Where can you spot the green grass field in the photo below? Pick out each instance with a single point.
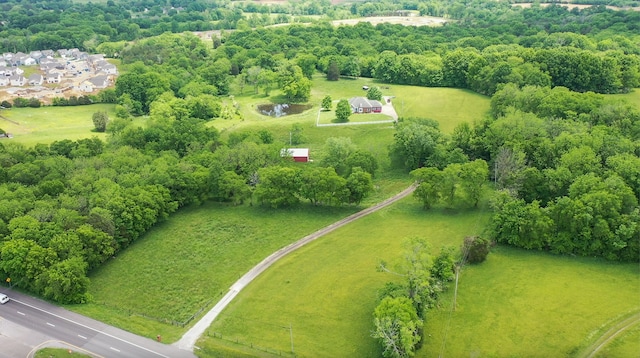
(327, 290)
(449, 106)
(514, 304)
(191, 260)
(519, 302)
(30, 126)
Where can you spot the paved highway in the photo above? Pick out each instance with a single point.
(26, 322)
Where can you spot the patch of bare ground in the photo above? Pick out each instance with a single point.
(577, 6)
(402, 20)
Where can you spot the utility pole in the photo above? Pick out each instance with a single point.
(291, 335)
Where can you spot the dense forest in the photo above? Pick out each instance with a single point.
(564, 157)
(46, 24)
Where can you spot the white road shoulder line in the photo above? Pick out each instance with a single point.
(91, 328)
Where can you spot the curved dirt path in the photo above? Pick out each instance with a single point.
(188, 340)
(609, 335)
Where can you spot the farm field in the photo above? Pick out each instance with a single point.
(516, 302)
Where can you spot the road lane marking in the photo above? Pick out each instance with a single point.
(51, 324)
(91, 328)
(115, 349)
(83, 337)
(20, 313)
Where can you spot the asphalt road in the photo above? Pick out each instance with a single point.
(27, 323)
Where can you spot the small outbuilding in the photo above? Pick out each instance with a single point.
(298, 154)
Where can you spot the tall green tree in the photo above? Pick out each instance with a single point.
(100, 120)
(333, 71)
(359, 184)
(327, 103)
(473, 176)
(343, 111)
(374, 93)
(397, 327)
(429, 188)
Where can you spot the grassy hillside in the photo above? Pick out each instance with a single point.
(189, 261)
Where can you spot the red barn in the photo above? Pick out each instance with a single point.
(298, 154)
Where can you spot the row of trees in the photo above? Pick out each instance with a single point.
(286, 186)
(436, 185)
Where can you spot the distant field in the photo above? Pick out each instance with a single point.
(47, 124)
(633, 97)
(449, 106)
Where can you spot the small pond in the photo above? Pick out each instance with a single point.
(279, 110)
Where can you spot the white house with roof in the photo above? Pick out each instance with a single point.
(29, 61)
(53, 77)
(106, 67)
(100, 82)
(86, 86)
(17, 80)
(36, 79)
(6, 71)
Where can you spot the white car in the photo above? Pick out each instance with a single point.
(3, 298)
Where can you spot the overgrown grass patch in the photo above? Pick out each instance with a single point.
(328, 289)
(30, 126)
(190, 261)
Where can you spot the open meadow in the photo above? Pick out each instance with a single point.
(328, 289)
(30, 126)
(516, 303)
(190, 261)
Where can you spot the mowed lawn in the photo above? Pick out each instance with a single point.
(449, 106)
(517, 304)
(327, 290)
(30, 126)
